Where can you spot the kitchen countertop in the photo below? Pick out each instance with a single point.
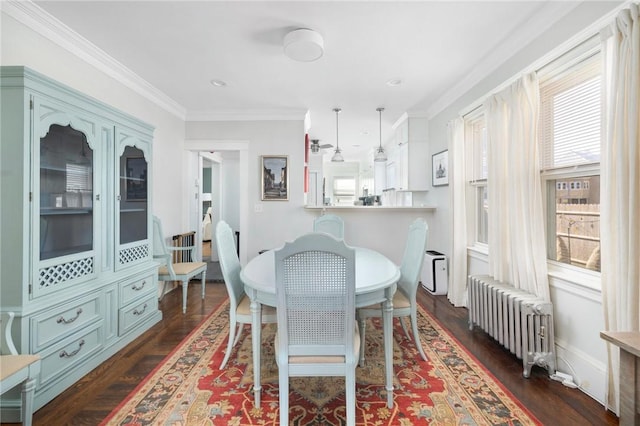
(376, 208)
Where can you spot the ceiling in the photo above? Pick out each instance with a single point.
(433, 47)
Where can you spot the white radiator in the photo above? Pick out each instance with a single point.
(520, 321)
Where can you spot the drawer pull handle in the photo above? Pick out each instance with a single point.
(61, 320)
(134, 288)
(64, 354)
(137, 312)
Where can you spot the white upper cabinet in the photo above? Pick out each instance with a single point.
(411, 154)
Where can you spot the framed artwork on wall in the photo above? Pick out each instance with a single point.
(440, 168)
(275, 177)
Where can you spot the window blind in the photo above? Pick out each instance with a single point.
(344, 186)
(79, 178)
(570, 115)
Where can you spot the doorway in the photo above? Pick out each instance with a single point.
(211, 201)
(229, 169)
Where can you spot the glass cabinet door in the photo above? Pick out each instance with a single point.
(133, 196)
(132, 234)
(66, 193)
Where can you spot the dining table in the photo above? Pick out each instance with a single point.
(376, 282)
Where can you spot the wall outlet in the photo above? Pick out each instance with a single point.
(257, 208)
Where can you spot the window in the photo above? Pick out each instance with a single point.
(344, 189)
(476, 134)
(570, 126)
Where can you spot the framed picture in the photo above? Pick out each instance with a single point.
(440, 168)
(136, 179)
(275, 177)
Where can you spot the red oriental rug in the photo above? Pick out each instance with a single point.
(451, 388)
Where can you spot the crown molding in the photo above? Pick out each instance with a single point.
(409, 114)
(40, 21)
(248, 115)
(507, 48)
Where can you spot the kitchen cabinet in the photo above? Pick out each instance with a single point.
(412, 152)
(77, 265)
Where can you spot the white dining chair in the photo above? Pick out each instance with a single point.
(16, 369)
(239, 303)
(317, 332)
(180, 271)
(331, 224)
(404, 299)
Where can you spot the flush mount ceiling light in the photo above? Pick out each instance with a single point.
(337, 156)
(303, 45)
(394, 82)
(380, 154)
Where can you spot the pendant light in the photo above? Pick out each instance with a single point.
(380, 155)
(337, 156)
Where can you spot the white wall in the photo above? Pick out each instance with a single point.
(577, 300)
(231, 190)
(22, 46)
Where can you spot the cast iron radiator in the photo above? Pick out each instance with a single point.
(518, 320)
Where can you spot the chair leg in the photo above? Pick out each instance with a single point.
(404, 327)
(416, 336)
(362, 323)
(28, 390)
(185, 287)
(204, 276)
(232, 338)
(238, 332)
(350, 400)
(283, 385)
(164, 290)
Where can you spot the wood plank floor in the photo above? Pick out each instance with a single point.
(91, 399)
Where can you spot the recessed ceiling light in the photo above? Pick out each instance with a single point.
(218, 83)
(394, 82)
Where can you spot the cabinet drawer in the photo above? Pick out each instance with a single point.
(65, 356)
(64, 320)
(131, 290)
(132, 315)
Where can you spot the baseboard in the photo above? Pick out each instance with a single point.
(588, 372)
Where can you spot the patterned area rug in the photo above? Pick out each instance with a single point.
(188, 388)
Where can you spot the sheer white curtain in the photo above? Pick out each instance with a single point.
(620, 196)
(517, 247)
(457, 292)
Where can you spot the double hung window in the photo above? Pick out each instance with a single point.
(477, 170)
(569, 135)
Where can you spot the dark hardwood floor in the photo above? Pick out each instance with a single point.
(91, 399)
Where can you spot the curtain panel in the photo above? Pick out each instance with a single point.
(620, 189)
(457, 293)
(517, 246)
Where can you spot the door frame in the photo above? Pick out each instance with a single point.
(242, 147)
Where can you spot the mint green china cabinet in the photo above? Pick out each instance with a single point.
(75, 207)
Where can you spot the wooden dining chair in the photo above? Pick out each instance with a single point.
(239, 303)
(181, 271)
(17, 369)
(317, 333)
(404, 299)
(331, 224)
